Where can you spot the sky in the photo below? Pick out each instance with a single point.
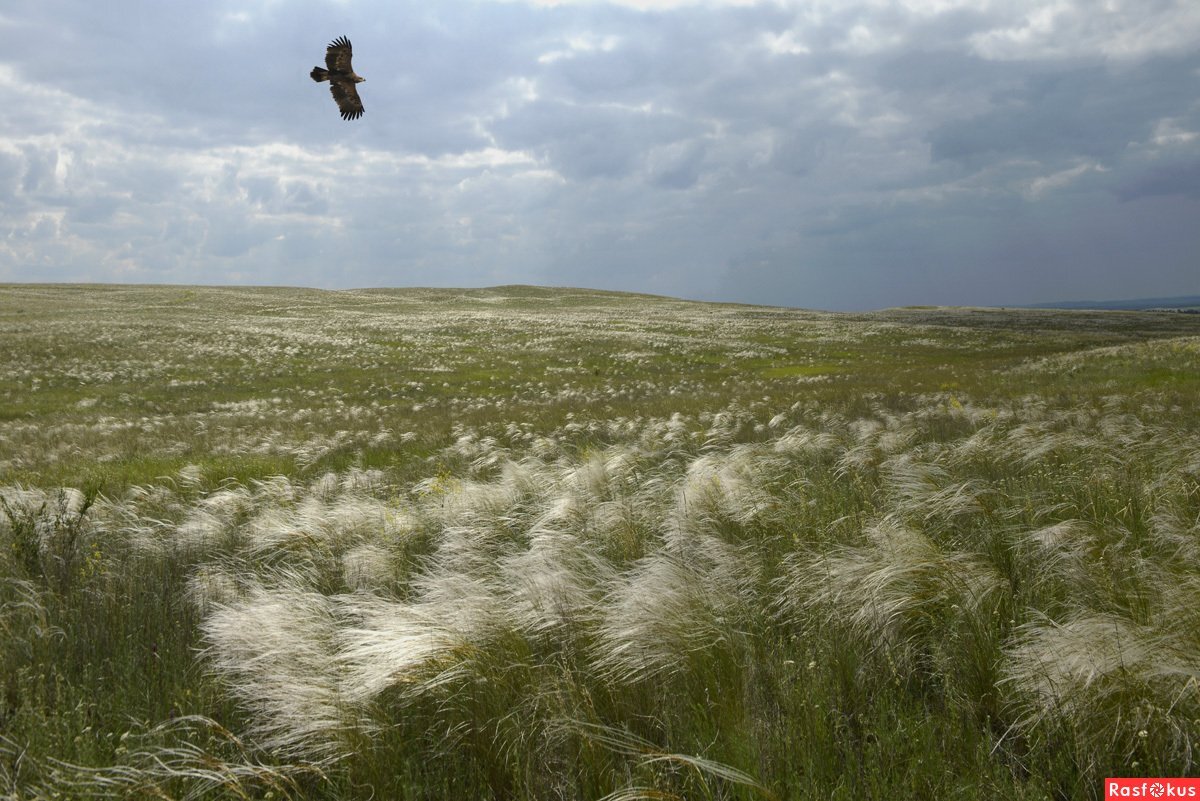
(839, 155)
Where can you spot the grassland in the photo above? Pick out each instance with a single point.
(540, 543)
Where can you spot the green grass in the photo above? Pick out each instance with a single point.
(524, 542)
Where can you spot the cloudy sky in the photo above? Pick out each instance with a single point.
(836, 154)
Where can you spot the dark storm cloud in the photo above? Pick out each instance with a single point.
(1181, 178)
(843, 155)
(590, 141)
(1094, 111)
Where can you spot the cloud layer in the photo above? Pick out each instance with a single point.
(826, 154)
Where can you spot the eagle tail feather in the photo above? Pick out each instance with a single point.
(319, 74)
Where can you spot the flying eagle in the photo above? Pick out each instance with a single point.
(341, 78)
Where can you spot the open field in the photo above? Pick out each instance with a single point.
(541, 543)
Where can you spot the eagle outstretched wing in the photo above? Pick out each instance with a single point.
(338, 56)
(346, 97)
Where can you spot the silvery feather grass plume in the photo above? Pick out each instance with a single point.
(979, 447)
(190, 475)
(207, 524)
(862, 454)
(466, 503)
(898, 436)
(649, 755)
(567, 509)
(48, 526)
(153, 770)
(275, 490)
(577, 488)
(278, 531)
(325, 487)
(892, 591)
(1029, 444)
(553, 584)
(154, 495)
(351, 517)
(334, 514)
(227, 502)
(674, 434)
(40, 504)
(925, 491)
(1177, 536)
(596, 478)
(472, 551)
(314, 534)
(275, 648)
(803, 441)
(489, 454)
(463, 603)
(725, 485)
(1124, 432)
(212, 586)
(624, 467)
(458, 582)
(1113, 681)
(357, 480)
(1176, 459)
(671, 604)
(545, 448)
(722, 431)
(1062, 549)
(964, 409)
(606, 499)
(23, 613)
(367, 566)
(199, 532)
(135, 516)
(392, 644)
(315, 448)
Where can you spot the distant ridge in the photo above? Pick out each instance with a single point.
(1179, 302)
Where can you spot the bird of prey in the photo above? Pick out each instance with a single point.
(341, 78)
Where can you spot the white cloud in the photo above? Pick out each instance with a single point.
(1116, 29)
(785, 43)
(576, 45)
(1170, 132)
(1060, 179)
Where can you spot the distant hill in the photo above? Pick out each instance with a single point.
(1188, 302)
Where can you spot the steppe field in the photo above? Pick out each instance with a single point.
(524, 543)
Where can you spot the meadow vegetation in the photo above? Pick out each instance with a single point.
(562, 544)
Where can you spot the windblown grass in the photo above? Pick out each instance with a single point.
(330, 545)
